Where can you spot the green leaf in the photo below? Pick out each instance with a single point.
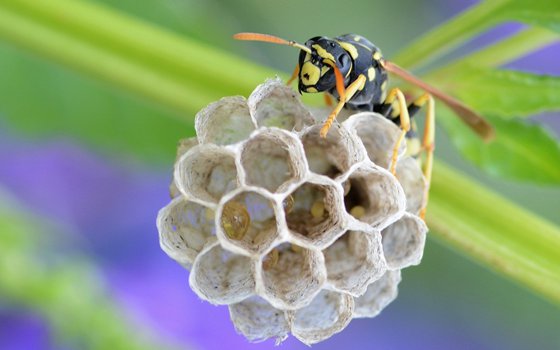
(504, 93)
(65, 289)
(520, 151)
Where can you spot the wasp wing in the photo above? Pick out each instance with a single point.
(474, 120)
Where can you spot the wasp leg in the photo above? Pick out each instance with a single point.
(345, 96)
(328, 99)
(396, 95)
(294, 75)
(428, 143)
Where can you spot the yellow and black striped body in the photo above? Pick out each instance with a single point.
(355, 56)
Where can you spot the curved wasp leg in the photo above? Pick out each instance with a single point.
(396, 95)
(345, 95)
(294, 75)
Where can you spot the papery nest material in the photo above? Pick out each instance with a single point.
(295, 233)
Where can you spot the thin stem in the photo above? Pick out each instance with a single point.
(516, 46)
(450, 34)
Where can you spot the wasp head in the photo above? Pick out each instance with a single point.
(316, 73)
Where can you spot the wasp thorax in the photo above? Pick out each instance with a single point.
(294, 232)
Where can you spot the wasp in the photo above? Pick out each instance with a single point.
(352, 70)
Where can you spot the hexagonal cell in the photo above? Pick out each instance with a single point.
(403, 242)
(182, 147)
(272, 158)
(222, 277)
(274, 104)
(294, 279)
(412, 179)
(206, 172)
(329, 313)
(247, 222)
(374, 196)
(316, 215)
(184, 228)
(333, 154)
(224, 122)
(257, 320)
(378, 295)
(378, 134)
(354, 261)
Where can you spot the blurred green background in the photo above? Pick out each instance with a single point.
(88, 166)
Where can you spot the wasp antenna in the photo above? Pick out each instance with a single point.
(270, 39)
(474, 120)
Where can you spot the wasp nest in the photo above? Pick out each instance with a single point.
(295, 233)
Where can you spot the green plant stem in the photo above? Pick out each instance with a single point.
(481, 224)
(450, 34)
(494, 231)
(125, 52)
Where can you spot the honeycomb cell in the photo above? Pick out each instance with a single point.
(374, 196)
(378, 295)
(412, 179)
(269, 108)
(224, 122)
(295, 278)
(257, 320)
(182, 147)
(222, 277)
(355, 260)
(378, 134)
(328, 313)
(184, 228)
(331, 155)
(206, 172)
(316, 216)
(252, 236)
(403, 242)
(272, 158)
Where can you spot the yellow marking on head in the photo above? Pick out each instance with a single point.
(324, 69)
(322, 52)
(311, 89)
(371, 73)
(350, 48)
(309, 73)
(377, 55)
